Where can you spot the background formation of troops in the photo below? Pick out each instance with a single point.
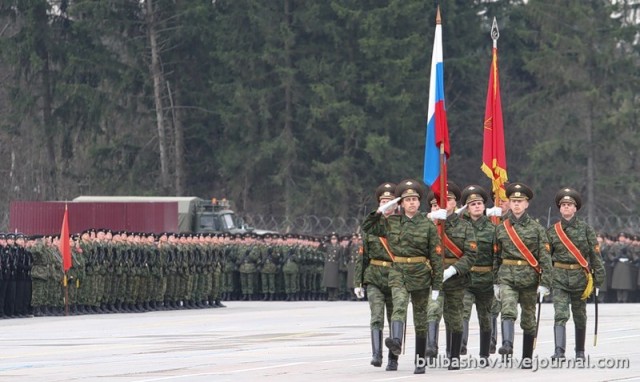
(138, 272)
(135, 272)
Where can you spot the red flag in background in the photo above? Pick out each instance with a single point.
(494, 159)
(65, 247)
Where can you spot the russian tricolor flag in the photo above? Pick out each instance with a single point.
(435, 173)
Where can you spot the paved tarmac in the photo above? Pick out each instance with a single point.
(278, 341)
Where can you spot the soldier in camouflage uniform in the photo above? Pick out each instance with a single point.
(290, 268)
(417, 263)
(522, 270)
(372, 272)
(460, 253)
(247, 263)
(573, 262)
(268, 268)
(480, 291)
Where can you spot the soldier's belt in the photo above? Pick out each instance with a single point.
(567, 266)
(514, 262)
(481, 269)
(449, 260)
(382, 263)
(411, 260)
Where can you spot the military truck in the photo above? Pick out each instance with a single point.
(194, 214)
(129, 213)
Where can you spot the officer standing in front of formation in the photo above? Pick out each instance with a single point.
(372, 274)
(522, 270)
(577, 269)
(480, 291)
(412, 241)
(460, 253)
(330, 276)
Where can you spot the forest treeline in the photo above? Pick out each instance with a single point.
(296, 107)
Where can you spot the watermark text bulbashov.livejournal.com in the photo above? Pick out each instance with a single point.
(535, 363)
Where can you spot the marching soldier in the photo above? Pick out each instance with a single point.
(460, 253)
(372, 272)
(412, 241)
(522, 269)
(577, 268)
(480, 291)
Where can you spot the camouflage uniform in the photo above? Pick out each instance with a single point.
(450, 302)
(417, 266)
(517, 280)
(569, 278)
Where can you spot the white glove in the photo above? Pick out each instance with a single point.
(623, 260)
(459, 210)
(496, 291)
(542, 291)
(448, 273)
(435, 294)
(597, 291)
(359, 292)
(388, 205)
(494, 211)
(440, 214)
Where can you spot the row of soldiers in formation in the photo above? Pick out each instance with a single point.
(137, 272)
(452, 257)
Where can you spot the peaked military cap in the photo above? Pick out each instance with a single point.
(519, 191)
(410, 187)
(453, 190)
(474, 193)
(569, 195)
(386, 191)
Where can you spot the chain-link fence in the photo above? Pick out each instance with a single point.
(322, 225)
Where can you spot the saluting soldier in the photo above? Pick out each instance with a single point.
(372, 272)
(522, 268)
(460, 253)
(412, 241)
(577, 269)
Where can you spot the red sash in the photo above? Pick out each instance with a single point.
(385, 244)
(570, 246)
(522, 248)
(452, 247)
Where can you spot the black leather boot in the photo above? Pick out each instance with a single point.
(394, 343)
(507, 338)
(465, 337)
(432, 339)
(485, 344)
(580, 338)
(448, 342)
(420, 360)
(560, 339)
(527, 351)
(392, 362)
(456, 344)
(376, 347)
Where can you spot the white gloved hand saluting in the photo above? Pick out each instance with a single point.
(388, 205)
(435, 294)
(461, 209)
(494, 211)
(448, 273)
(440, 214)
(542, 291)
(496, 291)
(359, 292)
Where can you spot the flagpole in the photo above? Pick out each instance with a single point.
(66, 294)
(495, 35)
